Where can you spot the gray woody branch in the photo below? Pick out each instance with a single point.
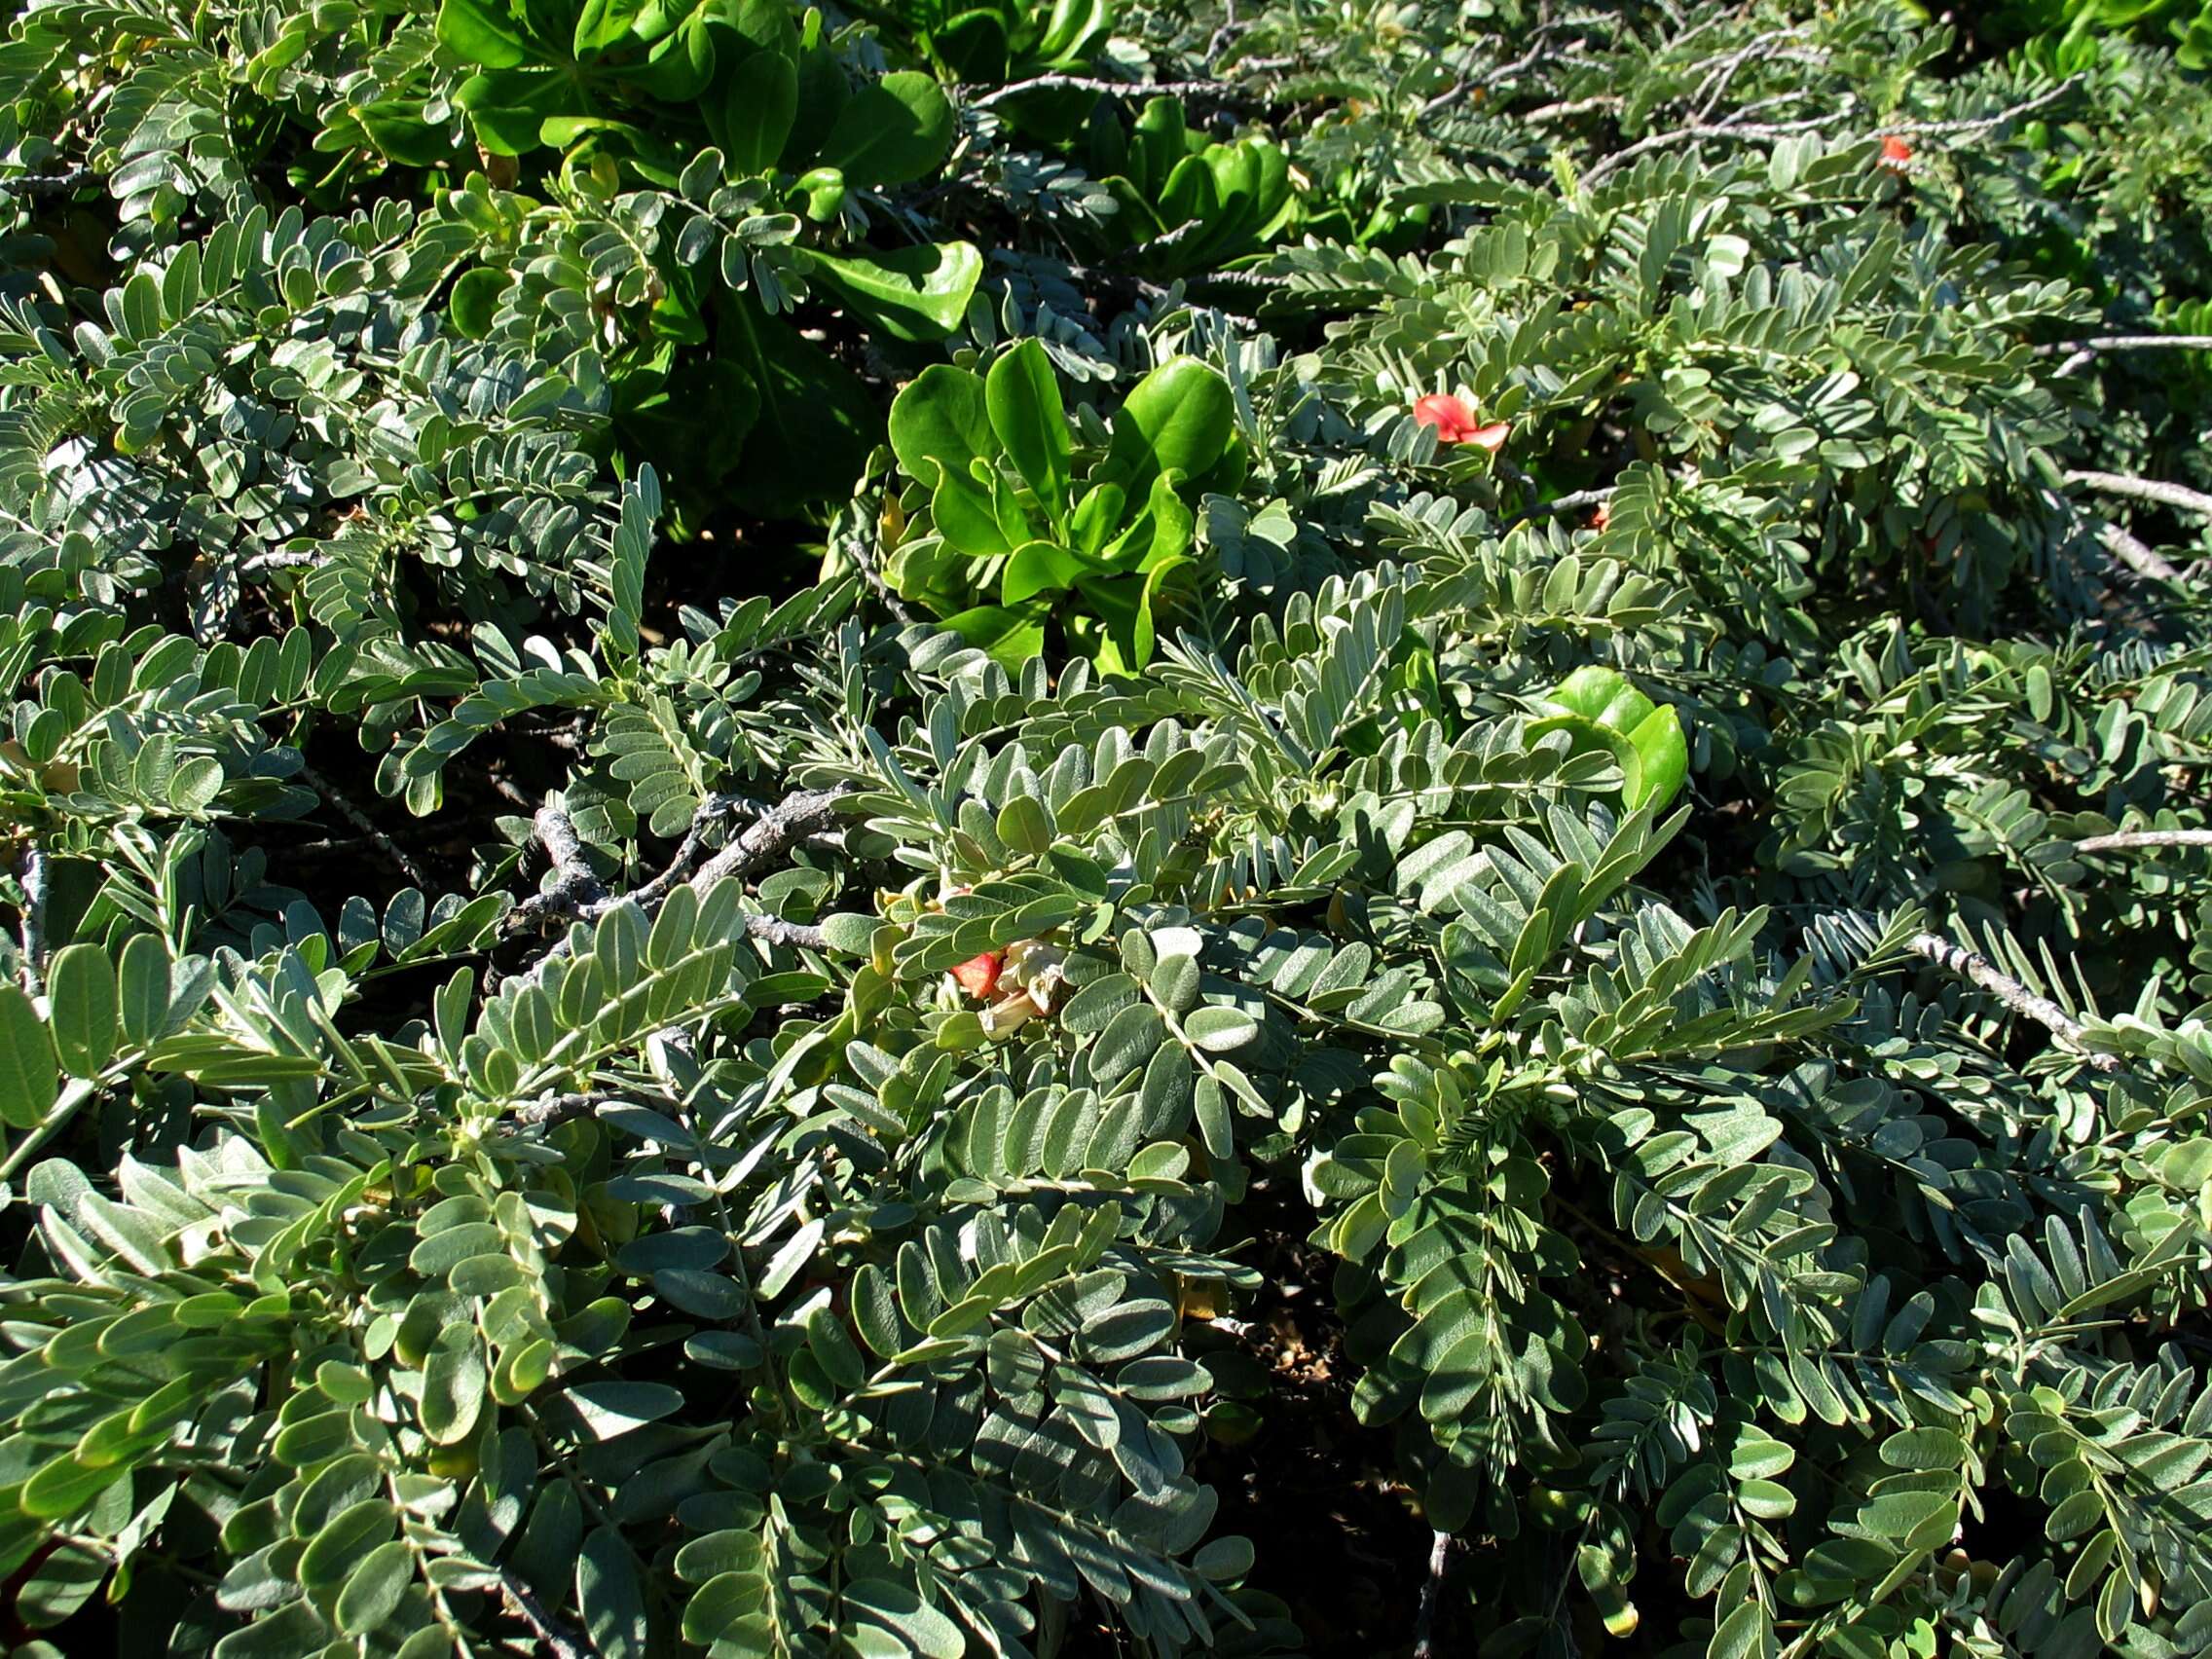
(1979, 970)
(575, 888)
(2176, 495)
(2128, 839)
(2079, 351)
(779, 830)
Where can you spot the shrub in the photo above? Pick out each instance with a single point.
(972, 830)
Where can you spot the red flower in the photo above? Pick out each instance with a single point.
(1896, 154)
(978, 975)
(1601, 518)
(1455, 421)
(1449, 415)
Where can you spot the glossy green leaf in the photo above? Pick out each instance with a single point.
(893, 132)
(483, 33)
(1030, 422)
(919, 292)
(1180, 418)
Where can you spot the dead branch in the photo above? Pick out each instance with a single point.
(2179, 497)
(777, 832)
(2128, 839)
(1575, 501)
(37, 882)
(559, 1641)
(710, 811)
(575, 888)
(776, 931)
(360, 821)
(1220, 91)
(1441, 1547)
(1983, 123)
(2137, 555)
(2079, 351)
(1976, 968)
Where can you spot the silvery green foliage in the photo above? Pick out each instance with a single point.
(790, 1188)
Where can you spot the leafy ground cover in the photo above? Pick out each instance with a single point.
(953, 829)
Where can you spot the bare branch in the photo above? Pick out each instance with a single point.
(2137, 555)
(2128, 839)
(1736, 128)
(1983, 124)
(2079, 351)
(48, 184)
(360, 821)
(776, 931)
(1441, 1547)
(1730, 129)
(711, 809)
(1722, 70)
(1976, 968)
(559, 1641)
(779, 830)
(1220, 90)
(1575, 501)
(38, 881)
(2176, 495)
(863, 560)
(774, 833)
(1572, 107)
(558, 1108)
(575, 889)
(283, 559)
(557, 834)
(1499, 74)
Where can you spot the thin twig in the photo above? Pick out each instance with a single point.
(1983, 123)
(1722, 70)
(2176, 495)
(559, 1641)
(559, 1107)
(2079, 351)
(1441, 1546)
(1973, 966)
(1497, 74)
(48, 184)
(283, 559)
(360, 821)
(711, 811)
(1572, 107)
(1229, 30)
(1748, 130)
(2130, 838)
(1220, 89)
(1567, 503)
(1735, 128)
(863, 560)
